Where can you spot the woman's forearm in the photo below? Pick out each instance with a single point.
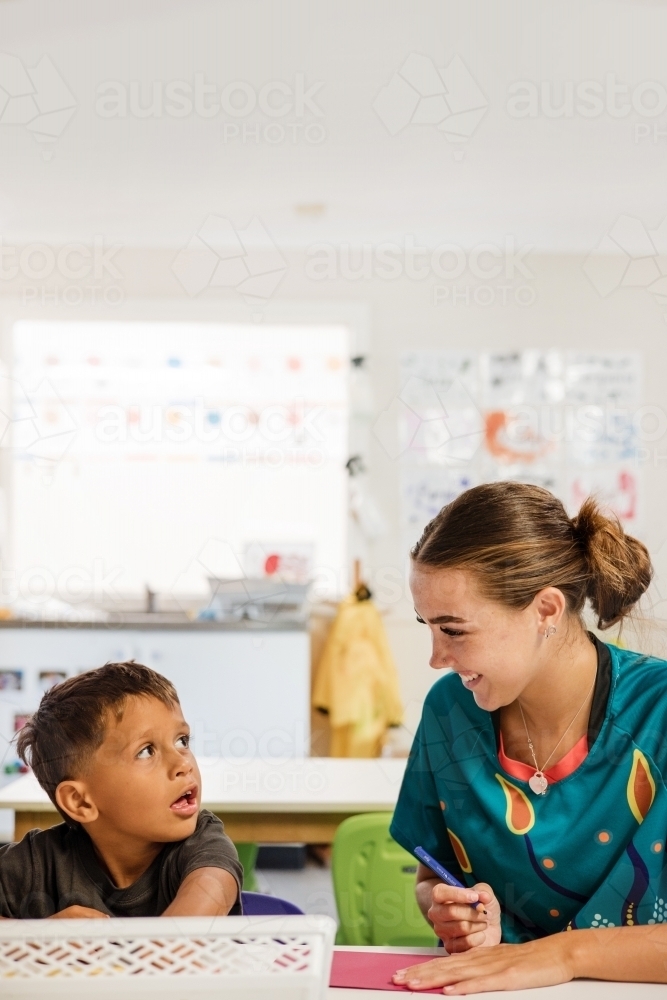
(627, 954)
(624, 954)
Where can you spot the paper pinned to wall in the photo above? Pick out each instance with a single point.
(425, 491)
(514, 436)
(439, 424)
(603, 436)
(513, 377)
(604, 379)
(568, 421)
(441, 368)
(615, 488)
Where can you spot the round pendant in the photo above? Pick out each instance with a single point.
(538, 783)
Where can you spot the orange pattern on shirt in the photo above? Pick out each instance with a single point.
(520, 815)
(641, 786)
(460, 852)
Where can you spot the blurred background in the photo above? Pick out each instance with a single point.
(278, 280)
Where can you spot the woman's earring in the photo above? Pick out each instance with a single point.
(550, 631)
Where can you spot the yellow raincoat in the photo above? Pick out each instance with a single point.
(356, 681)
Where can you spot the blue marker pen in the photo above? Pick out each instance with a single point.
(442, 873)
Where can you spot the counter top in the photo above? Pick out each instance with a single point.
(163, 621)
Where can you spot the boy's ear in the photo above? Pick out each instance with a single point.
(74, 800)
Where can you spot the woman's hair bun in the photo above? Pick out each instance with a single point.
(619, 566)
(517, 539)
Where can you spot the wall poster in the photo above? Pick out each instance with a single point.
(566, 420)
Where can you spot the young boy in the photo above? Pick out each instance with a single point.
(111, 749)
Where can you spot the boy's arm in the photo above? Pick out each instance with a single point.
(205, 892)
(202, 874)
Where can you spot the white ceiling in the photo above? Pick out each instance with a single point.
(557, 183)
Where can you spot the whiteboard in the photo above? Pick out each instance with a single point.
(136, 447)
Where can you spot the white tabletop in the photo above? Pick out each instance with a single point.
(304, 785)
(580, 989)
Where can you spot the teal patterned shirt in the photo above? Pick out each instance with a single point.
(589, 853)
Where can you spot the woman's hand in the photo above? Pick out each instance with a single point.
(459, 925)
(79, 913)
(504, 967)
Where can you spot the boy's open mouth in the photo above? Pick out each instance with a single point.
(186, 804)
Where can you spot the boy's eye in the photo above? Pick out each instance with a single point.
(146, 752)
(183, 741)
(420, 620)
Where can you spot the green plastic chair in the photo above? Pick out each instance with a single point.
(248, 857)
(374, 885)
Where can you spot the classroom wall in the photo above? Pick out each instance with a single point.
(553, 306)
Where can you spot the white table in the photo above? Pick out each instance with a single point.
(272, 800)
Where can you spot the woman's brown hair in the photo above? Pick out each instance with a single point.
(517, 539)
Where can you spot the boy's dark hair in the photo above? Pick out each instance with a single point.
(70, 723)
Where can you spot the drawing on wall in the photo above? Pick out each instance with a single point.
(48, 679)
(439, 422)
(514, 377)
(425, 491)
(613, 379)
(509, 440)
(442, 368)
(605, 436)
(564, 420)
(11, 680)
(616, 488)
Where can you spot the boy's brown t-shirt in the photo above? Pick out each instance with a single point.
(50, 870)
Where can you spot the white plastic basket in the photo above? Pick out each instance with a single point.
(235, 958)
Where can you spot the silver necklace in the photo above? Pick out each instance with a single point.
(538, 782)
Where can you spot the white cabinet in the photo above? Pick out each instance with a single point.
(244, 692)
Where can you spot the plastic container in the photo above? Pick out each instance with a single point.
(238, 958)
(261, 599)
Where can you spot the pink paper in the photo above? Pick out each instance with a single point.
(372, 970)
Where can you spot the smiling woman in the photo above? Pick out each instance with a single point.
(539, 738)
